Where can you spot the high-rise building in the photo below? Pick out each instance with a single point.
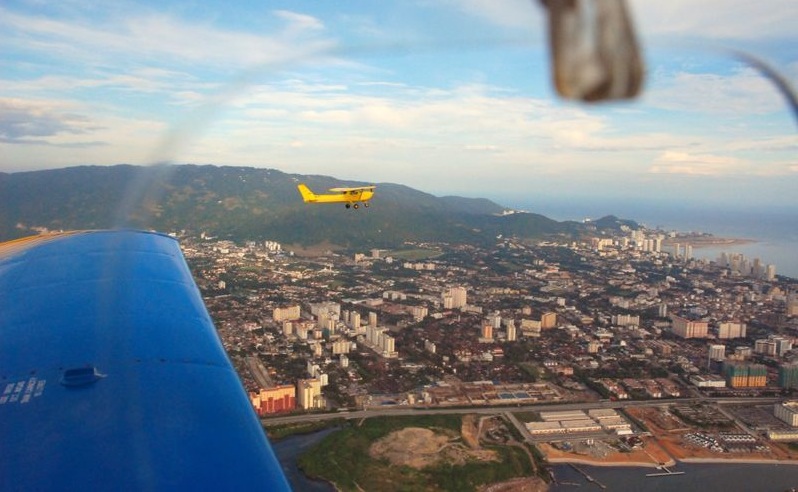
(685, 328)
(730, 329)
(354, 320)
(765, 347)
(420, 312)
(788, 375)
(792, 304)
(487, 332)
(341, 347)
(548, 320)
(329, 308)
(625, 320)
(286, 313)
(717, 352)
(783, 345)
(274, 400)
(787, 412)
(511, 331)
(457, 297)
(770, 272)
(372, 318)
(744, 375)
(309, 394)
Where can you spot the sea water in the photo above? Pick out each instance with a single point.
(774, 231)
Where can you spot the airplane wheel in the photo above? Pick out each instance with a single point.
(356, 206)
(366, 204)
(348, 205)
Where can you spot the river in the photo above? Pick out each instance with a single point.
(289, 450)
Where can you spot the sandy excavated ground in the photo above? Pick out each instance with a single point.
(670, 432)
(652, 454)
(418, 448)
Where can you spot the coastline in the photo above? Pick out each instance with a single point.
(672, 462)
(609, 464)
(701, 241)
(732, 461)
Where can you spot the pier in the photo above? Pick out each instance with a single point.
(588, 477)
(666, 473)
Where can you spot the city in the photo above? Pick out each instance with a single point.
(620, 336)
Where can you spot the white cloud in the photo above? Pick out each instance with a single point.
(677, 162)
(29, 121)
(716, 19)
(505, 13)
(140, 37)
(300, 22)
(745, 91)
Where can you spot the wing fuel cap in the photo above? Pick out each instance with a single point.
(81, 376)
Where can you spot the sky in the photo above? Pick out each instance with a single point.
(446, 96)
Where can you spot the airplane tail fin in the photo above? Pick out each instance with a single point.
(307, 195)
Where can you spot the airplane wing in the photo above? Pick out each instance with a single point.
(112, 376)
(356, 188)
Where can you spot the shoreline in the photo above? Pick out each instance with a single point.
(609, 464)
(742, 461)
(672, 462)
(698, 242)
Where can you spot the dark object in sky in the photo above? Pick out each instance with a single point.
(778, 79)
(113, 376)
(594, 52)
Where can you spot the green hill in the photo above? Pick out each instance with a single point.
(249, 203)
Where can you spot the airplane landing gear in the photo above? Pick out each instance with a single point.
(366, 204)
(356, 206)
(348, 205)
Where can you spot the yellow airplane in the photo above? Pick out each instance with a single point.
(349, 196)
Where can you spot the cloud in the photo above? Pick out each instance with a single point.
(716, 19)
(300, 22)
(743, 92)
(140, 37)
(26, 121)
(506, 13)
(676, 162)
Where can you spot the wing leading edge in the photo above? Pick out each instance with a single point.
(112, 375)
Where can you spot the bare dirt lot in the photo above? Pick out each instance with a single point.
(418, 448)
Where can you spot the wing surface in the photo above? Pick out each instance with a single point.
(112, 376)
(346, 190)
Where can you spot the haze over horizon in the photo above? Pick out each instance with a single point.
(406, 93)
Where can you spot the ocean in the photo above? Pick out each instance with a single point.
(773, 230)
(732, 477)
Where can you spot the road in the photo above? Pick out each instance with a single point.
(397, 411)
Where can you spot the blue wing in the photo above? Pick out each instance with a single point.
(112, 375)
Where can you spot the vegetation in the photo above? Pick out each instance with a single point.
(343, 458)
(241, 203)
(277, 432)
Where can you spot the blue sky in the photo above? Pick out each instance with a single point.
(447, 96)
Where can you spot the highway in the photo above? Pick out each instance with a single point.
(398, 411)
